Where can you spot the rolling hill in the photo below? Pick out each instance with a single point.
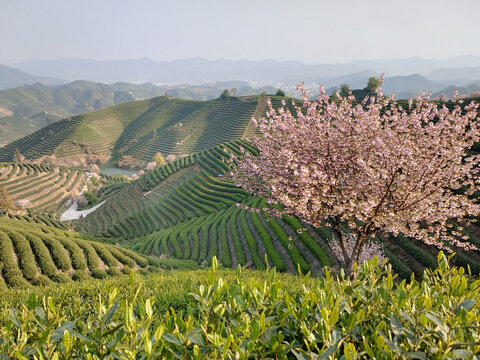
(137, 130)
(26, 109)
(187, 210)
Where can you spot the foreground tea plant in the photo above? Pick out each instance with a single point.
(256, 315)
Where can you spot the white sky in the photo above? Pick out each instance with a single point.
(312, 31)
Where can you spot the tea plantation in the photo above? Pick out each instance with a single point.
(131, 281)
(188, 209)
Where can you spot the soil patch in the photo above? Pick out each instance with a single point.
(5, 112)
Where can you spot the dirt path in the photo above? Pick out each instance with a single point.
(287, 260)
(219, 244)
(406, 258)
(233, 254)
(325, 246)
(258, 239)
(73, 214)
(315, 265)
(246, 251)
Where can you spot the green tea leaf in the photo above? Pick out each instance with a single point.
(172, 339)
(465, 304)
(196, 337)
(58, 332)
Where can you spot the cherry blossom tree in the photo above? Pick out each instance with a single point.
(374, 166)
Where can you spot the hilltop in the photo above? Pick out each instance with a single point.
(10, 78)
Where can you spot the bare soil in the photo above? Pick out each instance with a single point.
(246, 251)
(291, 268)
(258, 239)
(5, 112)
(233, 255)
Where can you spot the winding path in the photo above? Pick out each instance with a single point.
(73, 214)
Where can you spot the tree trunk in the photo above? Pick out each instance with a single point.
(357, 251)
(338, 231)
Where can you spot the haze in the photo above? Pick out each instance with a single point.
(309, 31)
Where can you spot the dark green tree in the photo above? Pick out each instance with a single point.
(225, 94)
(280, 92)
(344, 90)
(373, 83)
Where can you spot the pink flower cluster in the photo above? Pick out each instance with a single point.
(370, 250)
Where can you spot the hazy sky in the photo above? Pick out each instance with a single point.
(313, 31)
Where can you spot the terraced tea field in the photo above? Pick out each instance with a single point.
(44, 186)
(140, 129)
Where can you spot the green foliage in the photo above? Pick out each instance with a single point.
(30, 253)
(280, 92)
(39, 186)
(90, 196)
(158, 158)
(247, 314)
(344, 90)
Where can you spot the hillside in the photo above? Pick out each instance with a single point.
(11, 78)
(187, 210)
(28, 108)
(139, 129)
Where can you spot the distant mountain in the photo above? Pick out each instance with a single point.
(407, 86)
(402, 86)
(191, 70)
(472, 89)
(461, 76)
(355, 80)
(11, 78)
(418, 65)
(199, 70)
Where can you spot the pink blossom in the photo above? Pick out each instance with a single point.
(373, 166)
